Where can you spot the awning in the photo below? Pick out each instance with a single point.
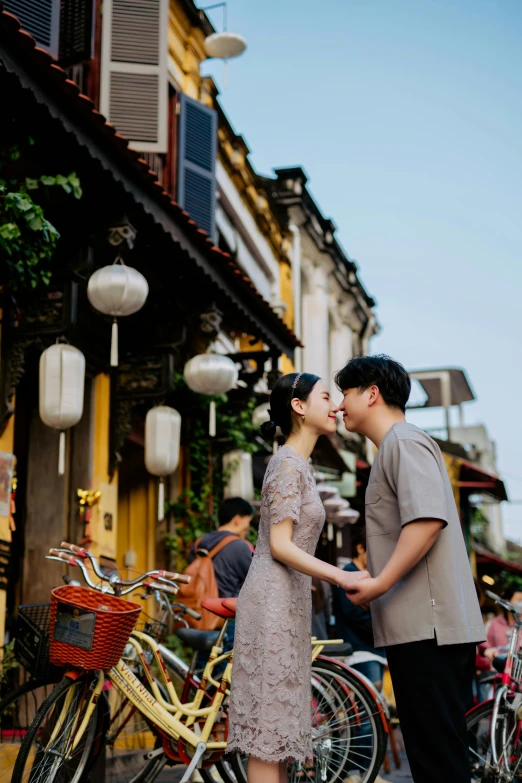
(478, 480)
(485, 556)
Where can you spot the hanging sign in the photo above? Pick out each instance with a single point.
(5, 564)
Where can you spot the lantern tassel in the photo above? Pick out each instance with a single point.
(161, 500)
(61, 455)
(114, 344)
(339, 539)
(212, 419)
(330, 532)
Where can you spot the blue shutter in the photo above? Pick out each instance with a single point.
(197, 153)
(41, 19)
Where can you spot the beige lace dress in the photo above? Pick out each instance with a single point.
(270, 700)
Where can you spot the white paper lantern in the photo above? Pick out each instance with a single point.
(162, 438)
(117, 290)
(327, 491)
(347, 516)
(260, 415)
(211, 373)
(62, 378)
(238, 465)
(225, 45)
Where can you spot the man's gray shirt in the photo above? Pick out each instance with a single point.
(437, 598)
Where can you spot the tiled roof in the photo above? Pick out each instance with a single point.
(53, 77)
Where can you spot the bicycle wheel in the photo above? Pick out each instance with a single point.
(342, 718)
(17, 710)
(507, 740)
(47, 752)
(355, 744)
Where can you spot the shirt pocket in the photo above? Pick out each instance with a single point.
(373, 495)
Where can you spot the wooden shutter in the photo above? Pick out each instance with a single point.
(76, 31)
(40, 18)
(197, 152)
(134, 87)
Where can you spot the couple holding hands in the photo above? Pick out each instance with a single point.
(418, 585)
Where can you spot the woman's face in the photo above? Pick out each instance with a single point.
(319, 410)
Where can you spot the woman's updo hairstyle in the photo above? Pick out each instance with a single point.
(284, 391)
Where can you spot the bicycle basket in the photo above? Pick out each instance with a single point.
(89, 630)
(154, 628)
(31, 647)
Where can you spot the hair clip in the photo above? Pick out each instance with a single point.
(296, 381)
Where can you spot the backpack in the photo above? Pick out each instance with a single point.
(203, 585)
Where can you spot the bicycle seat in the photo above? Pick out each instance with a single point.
(219, 606)
(230, 604)
(202, 641)
(335, 650)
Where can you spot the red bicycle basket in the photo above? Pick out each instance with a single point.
(114, 622)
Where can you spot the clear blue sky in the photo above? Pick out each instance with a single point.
(406, 115)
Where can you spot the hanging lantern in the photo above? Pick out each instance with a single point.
(211, 373)
(62, 377)
(162, 437)
(260, 415)
(117, 290)
(237, 465)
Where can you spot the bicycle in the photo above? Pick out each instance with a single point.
(495, 726)
(326, 686)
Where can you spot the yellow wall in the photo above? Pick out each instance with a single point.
(6, 445)
(103, 540)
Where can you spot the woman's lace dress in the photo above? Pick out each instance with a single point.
(270, 700)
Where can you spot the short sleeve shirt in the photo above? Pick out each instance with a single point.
(437, 598)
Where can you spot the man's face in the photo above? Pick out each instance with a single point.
(354, 408)
(242, 525)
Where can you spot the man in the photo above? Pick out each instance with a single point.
(232, 562)
(354, 622)
(424, 605)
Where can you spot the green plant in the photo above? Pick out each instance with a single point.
(27, 238)
(8, 664)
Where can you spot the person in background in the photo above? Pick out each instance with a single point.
(231, 564)
(497, 633)
(321, 608)
(354, 623)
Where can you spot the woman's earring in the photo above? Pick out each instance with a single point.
(302, 417)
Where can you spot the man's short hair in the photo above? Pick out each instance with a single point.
(358, 537)
(389, 376)
(232, 507)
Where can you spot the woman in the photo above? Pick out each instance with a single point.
(270, 701)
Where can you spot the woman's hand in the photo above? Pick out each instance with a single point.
(491, 653)
(347, 580)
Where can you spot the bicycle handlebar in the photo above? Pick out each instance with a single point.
(505, 605)
(165, 581)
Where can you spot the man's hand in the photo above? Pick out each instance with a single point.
(491, 653)
(348, 579)
(365, 591)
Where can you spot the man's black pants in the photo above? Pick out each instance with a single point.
(432, 686)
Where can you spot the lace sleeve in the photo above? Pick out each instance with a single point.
(282, 492)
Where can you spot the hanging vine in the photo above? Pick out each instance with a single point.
(196, 510)
(27, 238)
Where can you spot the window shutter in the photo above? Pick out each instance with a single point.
(76, 31)
(197, 162)
(40, 19)
(134, 87)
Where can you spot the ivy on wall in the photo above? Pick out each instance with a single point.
(196, 510)
(27, 238)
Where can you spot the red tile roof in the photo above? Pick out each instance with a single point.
(55, 77)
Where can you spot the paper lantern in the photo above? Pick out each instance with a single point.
(62, 378)
(327, 491)
(238, 465)
(260, 415)
(117, 290)
(211, 373)
(225, 45)
(347, 516)
(162, 438)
